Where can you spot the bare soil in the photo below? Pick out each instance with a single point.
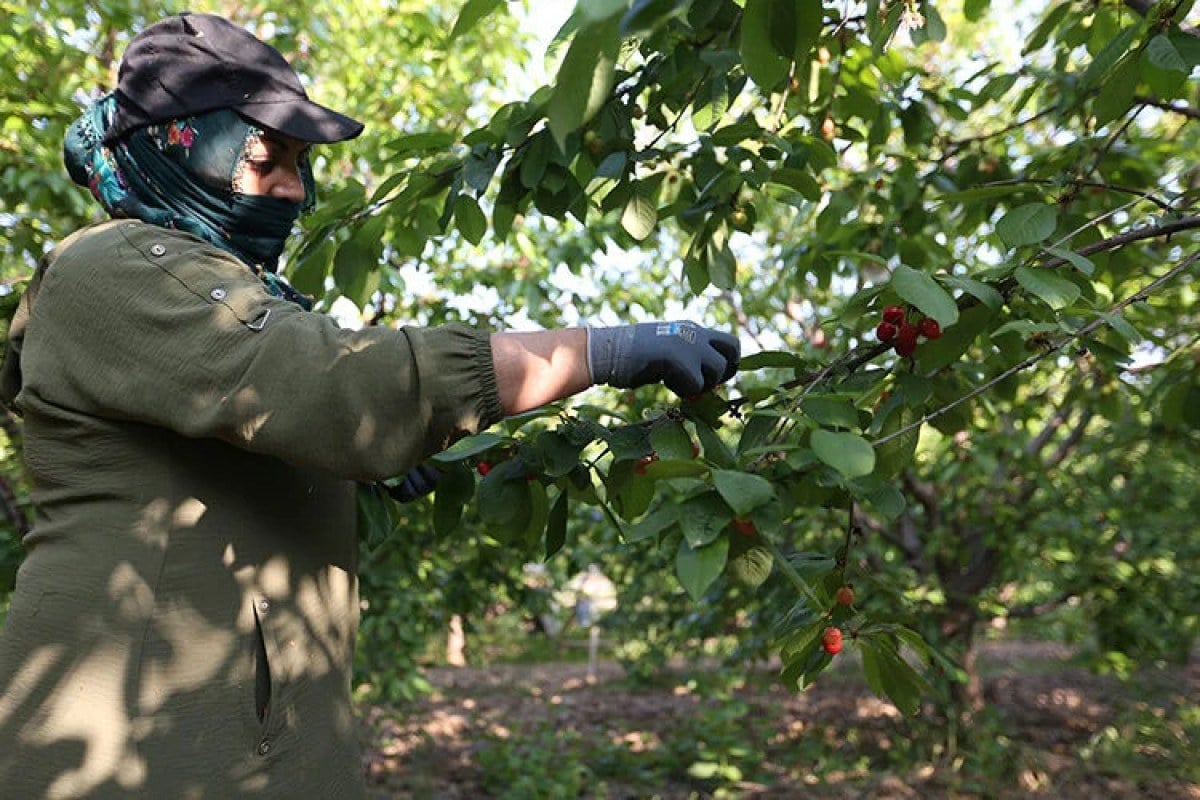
(1048, 708)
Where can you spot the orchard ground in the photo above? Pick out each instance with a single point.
(1052, 729)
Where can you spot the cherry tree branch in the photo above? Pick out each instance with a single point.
(1165, 105)
(1167, 229)
(1050, 350)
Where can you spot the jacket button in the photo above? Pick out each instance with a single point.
(264, 747)
(264, 606)
(217, 294)
(157, 249)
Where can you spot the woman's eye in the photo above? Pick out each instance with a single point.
(262, 167)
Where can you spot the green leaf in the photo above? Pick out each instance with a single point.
(308, 275)
(750, 565)
(374, 515)
(455, 489)
(758, 428)
(1056, 292)
(831, 412)
(881, 495)
(1121, 325)
(926, 294)
(848, 453)
(893, 456)
(981, 291)
(556, 526)
(932, 356)
(467, 447)
(1074, 259)
(800, 180)
(974, 10)
(639, 217)
(1119, 90)
(870, 662)
(428, 140)
(703, 517)
(763, 359)
(670, 440)
(472, 224)
(584, 80)
(901, 683)
(742, 491)
(763, 63)
(503, 497)
(1104, 61)
(698, 568)
(472, 12)
(715, 449)
(653, 524)
(356, 265)
(1163, 54)
(559, 455)
(1028, 224)
(646, 16)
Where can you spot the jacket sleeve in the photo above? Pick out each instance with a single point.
(142, 324)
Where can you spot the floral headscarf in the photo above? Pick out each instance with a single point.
(184, 174)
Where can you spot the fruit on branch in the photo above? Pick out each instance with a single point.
(885, 332)
(740, 219)
(831, 641)
(906, 340)
(744, 526)
(483, 468)
(593, 143)
(845, 596)
(930, 328)
(828, 129)
(893, 315)
(645, 461)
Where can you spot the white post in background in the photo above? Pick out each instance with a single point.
(593, 646)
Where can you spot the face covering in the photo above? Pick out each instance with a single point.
(183, 174)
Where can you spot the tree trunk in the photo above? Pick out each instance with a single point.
(958, 634)
(456, 643)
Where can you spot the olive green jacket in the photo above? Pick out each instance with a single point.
(184, 621)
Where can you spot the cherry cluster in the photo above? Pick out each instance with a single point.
(903, 333)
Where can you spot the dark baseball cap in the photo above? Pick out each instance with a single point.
(189, 64)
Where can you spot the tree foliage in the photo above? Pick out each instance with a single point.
(1023, 174)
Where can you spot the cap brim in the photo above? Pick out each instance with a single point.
(303, 120)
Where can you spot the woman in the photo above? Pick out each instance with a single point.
(184, 621)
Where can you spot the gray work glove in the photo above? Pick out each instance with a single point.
(687, 358)
(418, 483)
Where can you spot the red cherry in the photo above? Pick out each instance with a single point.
(893, 314)
(845, 596)
(831, 641)
(885, 332)
(743, 526)
(930, 328)
(640, 466)
(483, 468)
(906, 340)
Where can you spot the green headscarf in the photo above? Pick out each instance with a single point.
(182, 174)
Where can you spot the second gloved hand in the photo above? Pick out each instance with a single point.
(419, 482)
(686, 357)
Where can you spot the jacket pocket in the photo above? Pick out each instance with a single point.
(262, 673)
